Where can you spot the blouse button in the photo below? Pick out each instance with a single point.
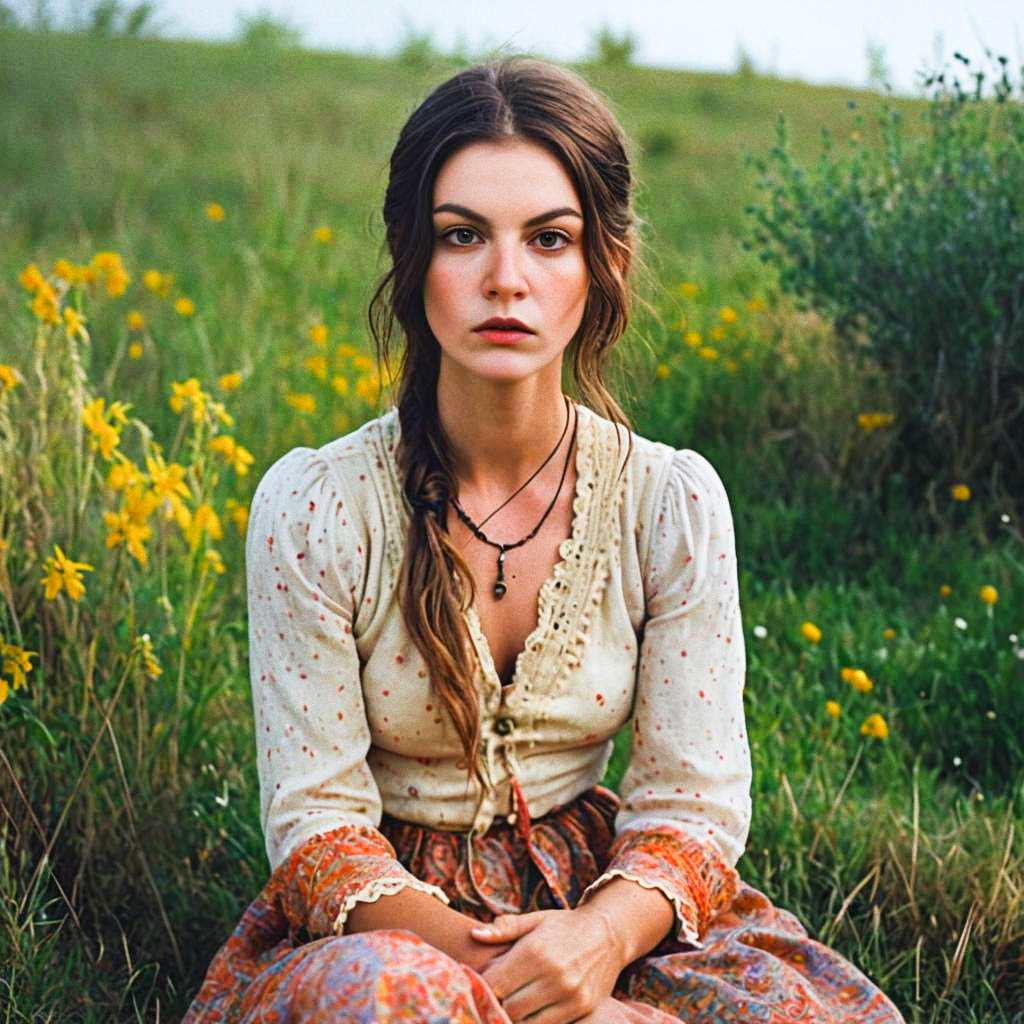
(503, 726)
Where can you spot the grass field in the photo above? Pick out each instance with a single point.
(235, 196)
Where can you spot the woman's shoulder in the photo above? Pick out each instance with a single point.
(657, 471)
(350, 462)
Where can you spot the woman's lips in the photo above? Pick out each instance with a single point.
(503, 331)
(503, 336)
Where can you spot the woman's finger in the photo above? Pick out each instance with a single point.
(506, 927)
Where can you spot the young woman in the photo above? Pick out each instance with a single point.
(455, 608)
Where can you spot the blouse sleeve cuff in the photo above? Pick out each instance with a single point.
(384, 885)
(692, 875)
(329, 874)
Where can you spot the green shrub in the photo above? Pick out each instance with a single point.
(613, 50)
(914, 245)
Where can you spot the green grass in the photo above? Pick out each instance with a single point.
(905, 854)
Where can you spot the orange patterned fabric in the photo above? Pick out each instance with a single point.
(285, 963)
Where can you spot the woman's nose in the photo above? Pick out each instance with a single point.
(506, 271)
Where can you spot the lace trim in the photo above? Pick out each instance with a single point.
(686, 929)
(570, 595)
(373, 891)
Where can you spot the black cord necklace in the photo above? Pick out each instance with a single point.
(533, 476)
(499, 589)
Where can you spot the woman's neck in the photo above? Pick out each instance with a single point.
(500, 433)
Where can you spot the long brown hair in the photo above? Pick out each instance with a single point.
(513, 98)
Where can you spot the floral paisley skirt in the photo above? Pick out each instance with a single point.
(756, 966)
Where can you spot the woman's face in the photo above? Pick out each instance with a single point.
(508, 246)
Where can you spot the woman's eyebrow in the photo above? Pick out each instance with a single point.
(479, 218)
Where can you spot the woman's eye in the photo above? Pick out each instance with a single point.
(551, 240)
(461, 236)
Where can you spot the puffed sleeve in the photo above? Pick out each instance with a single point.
(686, 791)
(307, 568)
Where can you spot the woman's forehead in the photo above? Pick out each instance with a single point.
(505, 177)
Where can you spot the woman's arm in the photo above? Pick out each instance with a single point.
(307, 571)
(444, 928)
(686, 791)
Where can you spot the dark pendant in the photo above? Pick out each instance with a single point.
(499, 589)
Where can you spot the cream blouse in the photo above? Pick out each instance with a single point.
(639, 618)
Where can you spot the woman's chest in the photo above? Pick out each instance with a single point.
(508, 579)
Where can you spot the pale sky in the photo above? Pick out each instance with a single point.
(823, 41)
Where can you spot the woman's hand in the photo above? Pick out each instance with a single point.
(562, 966)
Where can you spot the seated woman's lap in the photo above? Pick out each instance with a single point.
(369, 976)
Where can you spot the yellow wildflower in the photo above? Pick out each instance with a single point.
(988, 594)
(688, 289)
(123, 475)
(361, 362)
(130, 525)
(149, 663)
(693, 339)
(153, 280)
(860, 681)
(230, 381)
(755, 305)
(9, 378)
(135, 350)
(960, 492)
(220, 413)
(707, 353)
(44, 306)
(115, 278)
(189, 392)
(74, 324)
(875, 725)
(205, 520)
(888, 634)
(731, 365)
(727, 315)
(811, 632)
(105, 425)
(105, 262)
(238, 514)
(214, 212)
(32, 280)
(63, 574)
(717, 333)
(65, 270)
(16, 663)
(168, 486)
(317, 365)
(340, 385)
(368, 387)
(869, 421)
(318, 335)
(233, 452)
(832, 708)
(662, 372)
(214, 561)
(184, 306)
(136, 321)
(323, 234)
(304, 403)
(945, 590)
(347, 351)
